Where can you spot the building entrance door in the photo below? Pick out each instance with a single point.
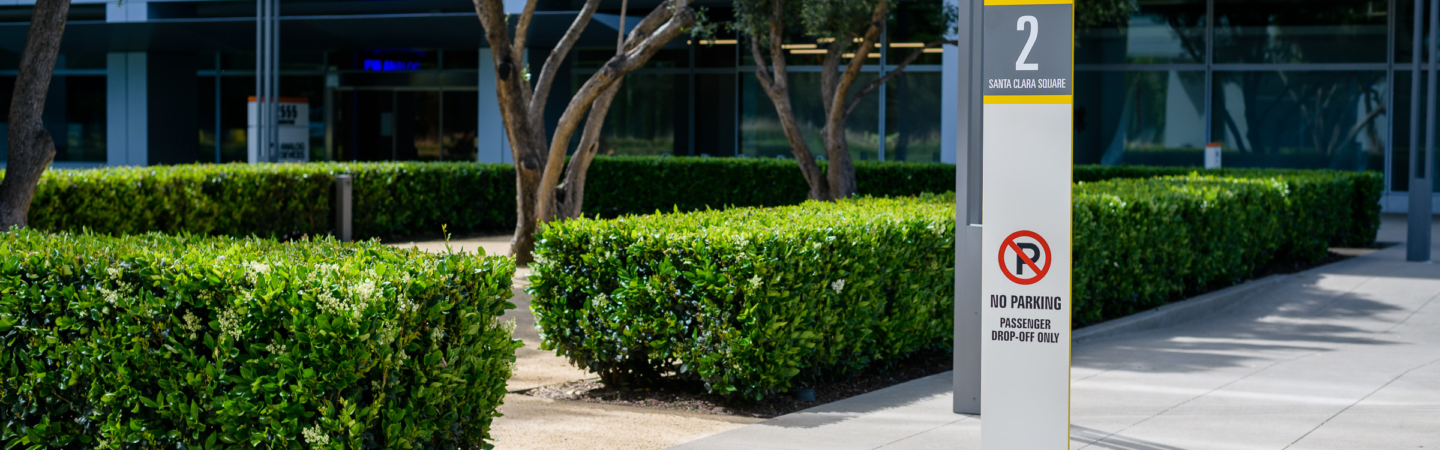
(396, 124)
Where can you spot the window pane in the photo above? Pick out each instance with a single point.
(461, 59)
(1152, 118)
(1290, 31)
(462, 109)
(1400, 157)
(417, 125)
(913, 24)
(205, 103)
(645, 117)
(1158, 31)
(715, 114)
(1330, 120)
(74, 115)
(762, 136)
(234, 95)
(912, 117)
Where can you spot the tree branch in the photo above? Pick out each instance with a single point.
(557, 58)
(510, 86)
(647, 25)
(761, 72)
(574, 185)
(893, 73)
(584, 97)
(522, 29)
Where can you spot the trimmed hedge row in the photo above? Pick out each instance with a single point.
(1355, 195)
(284, 200)
(394, 199)
(1141, 243)
(397, 199)
(184, 342)
(753, 301)
(642, 185)
(750, 301)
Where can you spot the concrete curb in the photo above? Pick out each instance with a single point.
(1178, 312)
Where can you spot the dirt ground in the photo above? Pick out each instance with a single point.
(538, 423)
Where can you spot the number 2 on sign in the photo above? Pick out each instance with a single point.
(1020, 63)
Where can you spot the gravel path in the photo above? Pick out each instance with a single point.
(538, 423)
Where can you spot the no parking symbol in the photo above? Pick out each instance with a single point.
(1024, 257)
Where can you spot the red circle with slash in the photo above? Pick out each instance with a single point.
(1023, 260)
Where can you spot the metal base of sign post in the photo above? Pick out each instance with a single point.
(344, 206)
(966, 368)
(967, 319)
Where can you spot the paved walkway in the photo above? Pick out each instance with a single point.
(1343, 356)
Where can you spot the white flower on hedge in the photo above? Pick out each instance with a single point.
(838, 285)
(437, 334)
(192, 324)
(387, 334)
(109, 295)
(230, 323)
(328, 303)
(600, 300)
(316, 436)
(253, 270)
(755, 282)
(114, 272)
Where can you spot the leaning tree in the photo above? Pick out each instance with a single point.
(540, 159)
(30, 147)
(848, 30)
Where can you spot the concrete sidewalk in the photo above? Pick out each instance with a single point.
(1342, 356)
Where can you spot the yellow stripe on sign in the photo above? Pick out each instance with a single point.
(1027, 2)
(1029, 99)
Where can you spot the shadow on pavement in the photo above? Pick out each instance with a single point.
(921, 390)
(1293, 315)
(1100, 439)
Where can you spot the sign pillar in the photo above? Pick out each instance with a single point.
(1025, 244)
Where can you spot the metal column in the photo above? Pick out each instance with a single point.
(267, 79)
(967, 210)
(1417, 240)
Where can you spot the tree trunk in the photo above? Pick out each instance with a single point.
(680, 21)
(841, 171)
(538, 161)
(573, 191)
(30, 148)
(777, 87)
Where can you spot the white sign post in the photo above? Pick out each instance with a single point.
(1212, 155)
(294, 130)
(1025, 243)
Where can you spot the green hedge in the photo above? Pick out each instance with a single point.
(750, 301)
(282, 200)
(642, 185)
(396, 199)
(150, 341)
(1139, 244)
(1355, 195)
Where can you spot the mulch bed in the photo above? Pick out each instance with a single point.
(692, 396)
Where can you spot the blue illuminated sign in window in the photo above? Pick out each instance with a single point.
(385, 65)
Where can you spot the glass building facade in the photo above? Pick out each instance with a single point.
(1278, 83)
